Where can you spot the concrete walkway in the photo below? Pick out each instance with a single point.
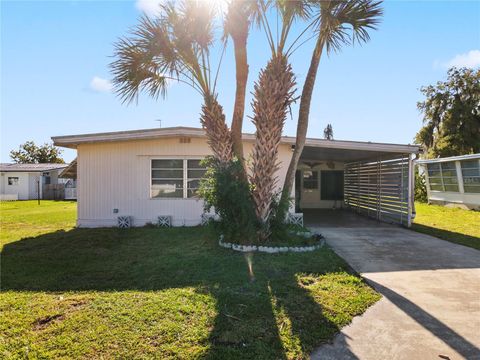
(431, 296)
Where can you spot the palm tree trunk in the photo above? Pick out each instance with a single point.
(303, 115)
(218, 134)
(237, 23)
(273, 95)
(241, 66)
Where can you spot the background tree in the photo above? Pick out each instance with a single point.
(29, 153)
(328, 132)
(451, 115)
(335, 24)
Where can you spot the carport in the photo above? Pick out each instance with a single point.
(339, 180)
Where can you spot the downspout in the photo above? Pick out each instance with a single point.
(411, 189)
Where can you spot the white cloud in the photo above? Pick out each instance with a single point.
(149, 7)
(99, 84)
(470, 59)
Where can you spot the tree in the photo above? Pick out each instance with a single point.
(336, 23)
(174, 46)
(328, 132)
(29, 153)
(451, 115)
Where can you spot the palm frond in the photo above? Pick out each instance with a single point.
(347, 22)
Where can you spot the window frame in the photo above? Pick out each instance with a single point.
(439, 179)
(15, 180)
(311, 181)
(470, 176)
(184, 179)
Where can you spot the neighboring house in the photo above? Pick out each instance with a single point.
(27, 181)
(149, 173)
(69, 174)
(453, 180)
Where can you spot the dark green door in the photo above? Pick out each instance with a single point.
(331, 185)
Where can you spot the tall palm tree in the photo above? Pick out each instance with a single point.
(175, 46)
(337, 24)
(236, 25)
(273, 95)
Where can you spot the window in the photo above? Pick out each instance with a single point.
(443, 176)
(310, 180)
(331, 185)
(195, 171)
(13, 180)
(471, 176)
(176, 178)
(167, 179)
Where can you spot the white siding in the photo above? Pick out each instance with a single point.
(32, 185)
(21, 189)
(116, 175)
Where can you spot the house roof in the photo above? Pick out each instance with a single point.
(451, 158)
(69, 172)
(4, 167)
(72, 141)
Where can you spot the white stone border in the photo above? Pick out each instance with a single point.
(270, 249)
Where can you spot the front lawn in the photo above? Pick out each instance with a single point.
(163, 293)
(452, 224)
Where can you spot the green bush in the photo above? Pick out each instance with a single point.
(420, 187)
(225, 189)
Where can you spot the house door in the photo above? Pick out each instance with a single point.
(331, 185)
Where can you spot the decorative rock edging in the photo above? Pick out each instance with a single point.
(271, 249)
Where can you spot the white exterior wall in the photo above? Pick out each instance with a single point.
(22, 189)
(116, 175)
(311, 199)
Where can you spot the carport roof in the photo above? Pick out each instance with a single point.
(332, 148)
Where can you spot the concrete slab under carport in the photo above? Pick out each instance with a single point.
(339, 218)
(430, 307)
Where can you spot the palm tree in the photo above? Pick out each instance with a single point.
(328, 132)
(337, 24)
(236, 25)
(175, 46)
(273, 95)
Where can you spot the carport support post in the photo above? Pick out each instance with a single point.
(411, 189)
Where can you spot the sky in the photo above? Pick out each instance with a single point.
(55, 77)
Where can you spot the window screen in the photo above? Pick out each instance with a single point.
(310, 180)
(443, 176)
(471, 176)
(195, 171)
(331, 184)
(13, 180)
(167, 178)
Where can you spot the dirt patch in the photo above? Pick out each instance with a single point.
(42, 323)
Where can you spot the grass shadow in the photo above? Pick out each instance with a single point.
(454, 237)
(255, 294)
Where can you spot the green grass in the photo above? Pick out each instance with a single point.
(452, 224)
(161, 293)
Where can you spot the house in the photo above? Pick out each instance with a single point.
(146, 174)
(453, 181)
(27, 181)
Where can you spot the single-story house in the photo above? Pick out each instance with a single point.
(453, 181)
(27, 181)
(151, 173)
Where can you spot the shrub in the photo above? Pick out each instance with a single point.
(420, 187)
(225, 189)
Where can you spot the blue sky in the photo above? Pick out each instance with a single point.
(55, 76)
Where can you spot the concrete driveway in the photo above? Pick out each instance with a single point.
(431, 296)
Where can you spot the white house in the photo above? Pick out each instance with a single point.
(453, 180)
(144, 174)
(26, 181)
